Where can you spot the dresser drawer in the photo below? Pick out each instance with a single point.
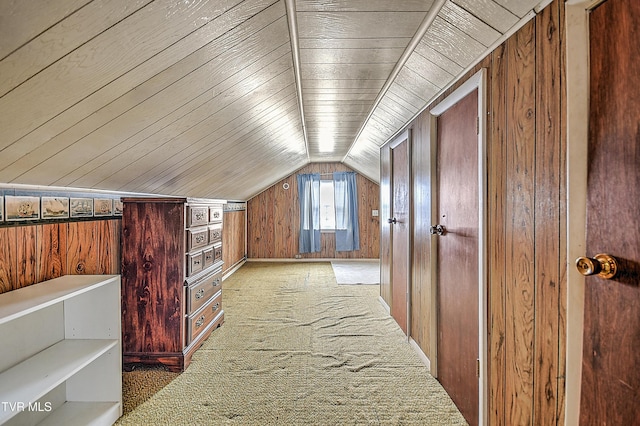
(197, 215)
(209, 257)
(198, 321)
(215, 214)
(200, 292)
(194, 263)
(217, 252)
(215, 233)
(197, 237)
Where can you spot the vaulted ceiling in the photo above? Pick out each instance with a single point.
(222, 98)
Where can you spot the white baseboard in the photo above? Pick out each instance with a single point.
(233, 269)
(384, 305)
(425, 360)
(323, 259)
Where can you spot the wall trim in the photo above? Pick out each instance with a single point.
(421, 355)
(233, 269)
(384, 305)
(577, 83)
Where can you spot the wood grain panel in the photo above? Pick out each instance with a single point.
(27, 256)
(421, 253)
(8, 262)
(562, 283)
(273, 220)
(526, 223)
(31, 254)
(233, 238)
(520, 258)
(548, 236)
(84, 248)
(496, 229)
(109, 246)
(52, 245)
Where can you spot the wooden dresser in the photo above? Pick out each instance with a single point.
(171, 278)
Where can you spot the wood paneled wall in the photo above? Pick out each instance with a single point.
(274, 220)
(526, 166)
(233, 238)
(31, 254)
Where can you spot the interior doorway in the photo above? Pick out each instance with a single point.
(400, 232)
(603, 326)
(458, 227)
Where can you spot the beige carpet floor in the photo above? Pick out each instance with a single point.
(297, 349)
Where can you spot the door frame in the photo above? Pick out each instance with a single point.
(476, 82)
(577, 79)
(403, 137)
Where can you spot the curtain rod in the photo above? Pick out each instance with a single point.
(328, 173)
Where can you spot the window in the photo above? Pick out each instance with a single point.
(327, 206)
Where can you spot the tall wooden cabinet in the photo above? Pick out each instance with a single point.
(171, 278)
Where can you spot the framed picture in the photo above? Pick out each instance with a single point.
(22, 208)
(81, 207)
(102, 207)
(55, 207)
(117, 207)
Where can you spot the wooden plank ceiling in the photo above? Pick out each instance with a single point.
(202, 98)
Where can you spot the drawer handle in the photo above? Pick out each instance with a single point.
(215, 307)
(200, 294)
(216, 282)
(216, 234)
(199, 238)
(199, 215)
(200, 322)
(208, 256)
(216, 215)
(196, 262)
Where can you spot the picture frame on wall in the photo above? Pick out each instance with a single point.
(81, 207)
(118, 207)
(19, 208)
(55, 207)
(102, 207)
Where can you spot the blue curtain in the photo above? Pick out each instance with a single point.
(346, 199)
(309, 198)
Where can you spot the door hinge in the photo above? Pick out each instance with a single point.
(478, 368)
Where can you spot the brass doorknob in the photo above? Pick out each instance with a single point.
(437, 230)
(603, 265)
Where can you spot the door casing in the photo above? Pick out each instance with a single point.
(577, 79)
(477, 82)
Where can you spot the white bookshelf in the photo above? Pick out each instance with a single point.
(61, 356)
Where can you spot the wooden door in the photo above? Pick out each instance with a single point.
(400, 231)
(610, 391)
(457, 254)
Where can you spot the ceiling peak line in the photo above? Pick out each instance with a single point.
(295, 53)
(415, 40)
